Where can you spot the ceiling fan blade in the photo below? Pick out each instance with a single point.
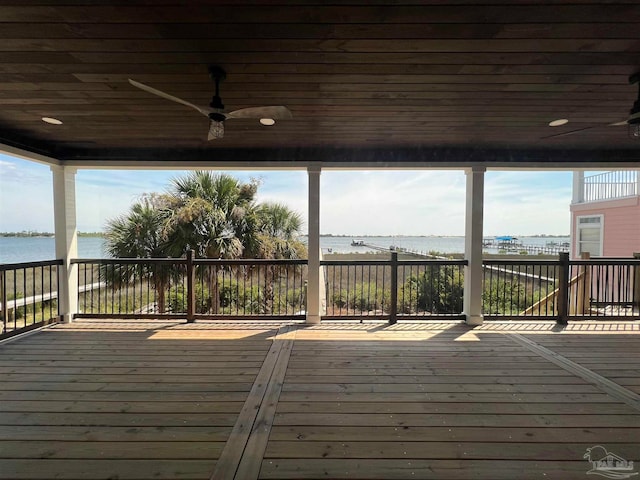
(564, 134)
(147, 88)
(277, 113)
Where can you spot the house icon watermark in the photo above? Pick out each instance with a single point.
(608, 464)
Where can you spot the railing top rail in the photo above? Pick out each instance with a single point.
(521, 262)
(196, 261)
(388, 262)
(606, 261)
(44, 263)
(249, 261)
(167, 261)
(625, 173)
(433, 262)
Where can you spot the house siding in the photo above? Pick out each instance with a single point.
(621, 225)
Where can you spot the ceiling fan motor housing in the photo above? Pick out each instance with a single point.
(217, 117)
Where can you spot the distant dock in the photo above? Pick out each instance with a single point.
(510, 246)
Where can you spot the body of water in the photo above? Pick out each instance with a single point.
(32, 249)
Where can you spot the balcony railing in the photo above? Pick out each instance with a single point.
(392, 289)
(192, 288)
(28, 295)
(610, 185)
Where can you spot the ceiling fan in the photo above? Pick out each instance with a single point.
(215, 110)
(633, 121)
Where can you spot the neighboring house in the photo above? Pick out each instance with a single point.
(605, 214)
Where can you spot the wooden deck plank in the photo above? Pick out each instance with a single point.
(141, 407)
(438, 450)
(115, 450)
(102, 386)
(427, 382)
(428, 407)
(438, 397)
(374, 384)
(249, 467)
(456, 420)
(335, 433)
(393, 469)
(109, 433)
(98, 469)
(232, 454)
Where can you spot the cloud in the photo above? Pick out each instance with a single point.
(389, 202)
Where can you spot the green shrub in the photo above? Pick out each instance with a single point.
(438, 289)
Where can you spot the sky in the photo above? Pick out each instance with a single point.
(353, 203)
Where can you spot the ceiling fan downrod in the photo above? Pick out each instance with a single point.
(634, 113)
(217, 74)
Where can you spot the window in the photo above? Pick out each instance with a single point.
(589, 235)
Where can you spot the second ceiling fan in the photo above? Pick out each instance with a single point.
(215, 110)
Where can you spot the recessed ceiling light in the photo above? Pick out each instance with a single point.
(559, 122)
(52, 121)
(267, 121)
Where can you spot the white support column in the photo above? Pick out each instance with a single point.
(472, 307)
(578, 187)
(313, 275)
(66, 237)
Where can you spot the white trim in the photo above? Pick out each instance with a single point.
(577, 236)
(27, 155)
(473, 233)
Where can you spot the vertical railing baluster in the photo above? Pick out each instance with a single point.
(191, 288)
(3, 299)
(393, 307)
(563, 280)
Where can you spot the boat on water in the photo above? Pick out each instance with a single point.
(502, 242)
(357, 243)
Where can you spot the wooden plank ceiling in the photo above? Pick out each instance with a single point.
(416, 78)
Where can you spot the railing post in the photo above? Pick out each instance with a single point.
(191, 291)
(583, 301)
(3, 299)
(393, 307)
(636, 280)
(563, 289)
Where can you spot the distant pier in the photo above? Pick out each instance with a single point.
(508, 247)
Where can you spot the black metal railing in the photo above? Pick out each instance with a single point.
(189, 288)
(519, 288)
(129, 287)
(392, 288)
(562, 289)
(28, 295)
(604, 287)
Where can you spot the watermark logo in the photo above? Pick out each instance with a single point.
(608, 464)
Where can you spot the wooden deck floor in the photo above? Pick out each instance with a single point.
(160, 400)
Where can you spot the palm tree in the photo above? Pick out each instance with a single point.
(213, 214)
(217, 216)
(138, 234)
(278, 230)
